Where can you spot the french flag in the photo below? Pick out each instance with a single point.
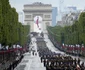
(37, 22)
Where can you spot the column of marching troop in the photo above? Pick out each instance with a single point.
(57, 61)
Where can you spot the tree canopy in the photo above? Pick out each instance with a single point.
(74, 34)
(11, 31)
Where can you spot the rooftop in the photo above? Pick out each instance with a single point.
(37, 4)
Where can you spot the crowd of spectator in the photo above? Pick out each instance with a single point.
(10, 57)
(73, 49)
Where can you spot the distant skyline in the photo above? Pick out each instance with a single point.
(18, 4)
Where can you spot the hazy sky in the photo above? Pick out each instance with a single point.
(18, 4)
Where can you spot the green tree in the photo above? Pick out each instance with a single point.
(0, 21)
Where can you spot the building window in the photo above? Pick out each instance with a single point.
(47, 16)
(27, 16)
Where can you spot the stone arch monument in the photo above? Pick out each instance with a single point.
(38, 9)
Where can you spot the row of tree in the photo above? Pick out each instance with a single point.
(11, 31)
(74, 34)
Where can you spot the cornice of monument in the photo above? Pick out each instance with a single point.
(37, 10)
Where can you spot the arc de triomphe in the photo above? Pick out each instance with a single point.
(38, 9)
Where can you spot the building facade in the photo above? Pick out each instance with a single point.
(68, 19)
(54, 15)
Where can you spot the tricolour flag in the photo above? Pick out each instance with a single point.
(37, 22)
